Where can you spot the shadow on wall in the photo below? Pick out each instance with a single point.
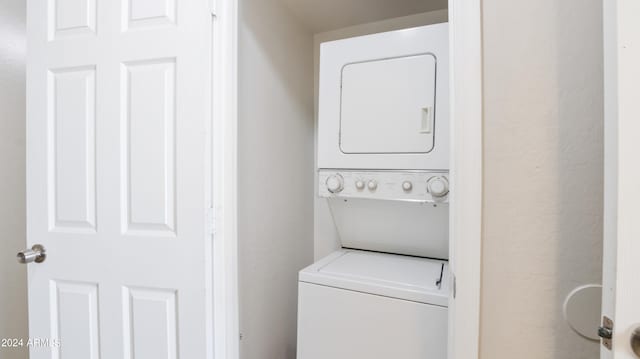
(275, 129)
(13, 276)
(580, 162)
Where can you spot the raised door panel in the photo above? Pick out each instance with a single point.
(71, 148)
(150, 319)
(71, 18)
(148, 153)
(148, 13)
(74, 320)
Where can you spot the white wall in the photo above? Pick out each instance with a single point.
(543, 173)
(13, 277)
(275, 165)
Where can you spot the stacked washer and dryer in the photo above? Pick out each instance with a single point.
(383, 161)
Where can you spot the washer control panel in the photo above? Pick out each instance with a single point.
(426, 186)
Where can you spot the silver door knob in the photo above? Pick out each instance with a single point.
(635, 342)
(37, 254)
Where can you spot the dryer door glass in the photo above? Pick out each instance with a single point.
(388, 105)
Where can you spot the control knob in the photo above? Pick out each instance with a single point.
(407, 186)
(335, 183)
(372, 185)
(438, 186)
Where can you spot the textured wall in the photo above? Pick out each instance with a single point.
(543, 173)
(275, 171)
(13, 276)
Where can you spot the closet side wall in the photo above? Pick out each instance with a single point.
(275, 172)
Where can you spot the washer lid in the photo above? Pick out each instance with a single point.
(410, 278)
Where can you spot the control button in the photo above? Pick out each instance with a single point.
(438, 186)
(360, 185)
(335, 183)
(372, 185)
(407, 186)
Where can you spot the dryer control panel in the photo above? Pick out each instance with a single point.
(415, 186)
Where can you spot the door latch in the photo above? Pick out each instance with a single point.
(635, 341)
(605, 331)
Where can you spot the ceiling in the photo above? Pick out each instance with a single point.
(325, 15)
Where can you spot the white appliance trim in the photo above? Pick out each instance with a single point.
(465, 46)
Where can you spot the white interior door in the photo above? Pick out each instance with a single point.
(621, 268)
(118, 111)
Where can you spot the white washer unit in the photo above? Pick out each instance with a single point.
(366, 305)
(383, 163)
(384, 101)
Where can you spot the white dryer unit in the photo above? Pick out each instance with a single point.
(382, 100)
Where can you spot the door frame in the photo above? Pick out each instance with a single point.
(465, 231)
(223, 177)
(620, 288)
